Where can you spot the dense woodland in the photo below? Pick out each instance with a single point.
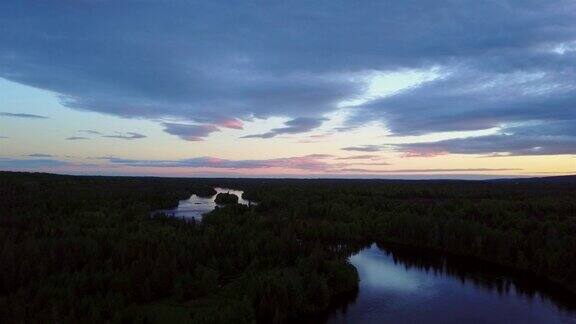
(86, 249)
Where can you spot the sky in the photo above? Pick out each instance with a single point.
(371, 89)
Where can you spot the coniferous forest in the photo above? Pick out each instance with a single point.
(89, 249)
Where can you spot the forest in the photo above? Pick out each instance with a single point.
(89, 249)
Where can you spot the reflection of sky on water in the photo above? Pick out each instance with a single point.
(378, 272)
(391, 292)
(194, 207)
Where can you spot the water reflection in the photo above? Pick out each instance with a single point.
(407, 286)
(384, 276)
(194, 207)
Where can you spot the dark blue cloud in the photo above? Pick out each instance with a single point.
(363, 148)
(118, 135)
(89, 131)
(494, 144)
(41, 155)
(476, 100)
(204, 62)
(16, 164)
(76, 138)
(20, 115)
(126, 136)
(294, 126)
(189, 132)
(552, 138)
(535, 138)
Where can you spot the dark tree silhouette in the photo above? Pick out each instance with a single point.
(225, 198)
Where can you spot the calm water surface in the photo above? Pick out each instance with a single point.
(413, 289)
(194, 207)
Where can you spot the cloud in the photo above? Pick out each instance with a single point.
(8, 163)
(118, 135)
(307, 163)
(76, 138)
(469, 99)
(359, 157)
(318, 163)
(363, 148)
(319, 156)
(29, 116)
(4, 137)
(294, 126)
(429, 170)
(218, 79)
(231, 123)
(315, 138)
(40, 155)
(509, 144)
(126, 136)
(532, 139)
(89, 131)
(210, 62)
(190, 132)
(370, 163)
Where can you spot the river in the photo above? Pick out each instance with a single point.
(194, 207)
(416, 287)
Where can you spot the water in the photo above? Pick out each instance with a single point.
(397, 288)
(194, 207)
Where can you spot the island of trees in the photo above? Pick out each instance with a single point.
(86, 249)
(225, 198)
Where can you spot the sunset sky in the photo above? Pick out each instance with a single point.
(388, 89)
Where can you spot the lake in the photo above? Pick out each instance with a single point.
(400, 287)
(194, 207)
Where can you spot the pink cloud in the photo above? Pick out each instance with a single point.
(231, 123)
